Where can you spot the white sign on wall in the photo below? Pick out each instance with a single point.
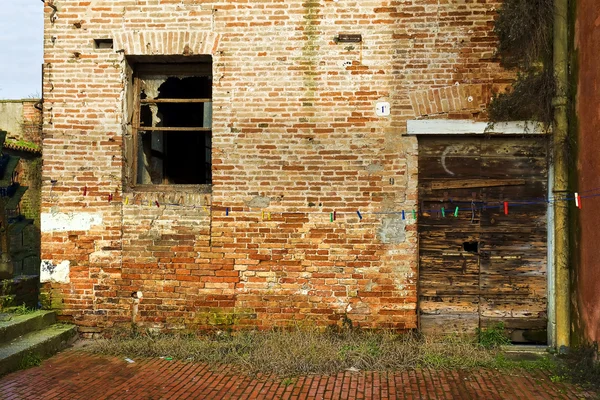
(383, 109)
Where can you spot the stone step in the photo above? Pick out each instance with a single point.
(525, 348)
(29, 349)
(525, 352)
(19, 325)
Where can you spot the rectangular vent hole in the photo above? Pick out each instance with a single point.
(103, 43)
(471, 247)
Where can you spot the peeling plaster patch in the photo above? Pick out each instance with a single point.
(304, 290)
(102, 256)
(392, 230)
(370, 286)
(54, 273)
(403, 275)
(151, 87)
(359, 308)
(259, 202)
(63, 222)
(374, 168)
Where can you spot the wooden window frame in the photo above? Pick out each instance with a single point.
(171, 70)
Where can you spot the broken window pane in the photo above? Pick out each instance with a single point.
(174, 142)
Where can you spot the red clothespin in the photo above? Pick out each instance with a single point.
(157, 205)
(110, 197)
(506, 208)
(334, 215)
(84, 191)
(578, 200)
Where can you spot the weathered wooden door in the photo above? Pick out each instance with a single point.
(480, 266)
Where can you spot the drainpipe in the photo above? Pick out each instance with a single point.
(561, 223)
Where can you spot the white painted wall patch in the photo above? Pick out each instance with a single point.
(63, 222)
(49, 272)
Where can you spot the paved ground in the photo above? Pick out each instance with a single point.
(74, 374)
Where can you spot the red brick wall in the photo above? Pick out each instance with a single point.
(293, 120)
(32, 118)
(586, 318)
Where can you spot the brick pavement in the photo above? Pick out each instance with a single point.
(75, 374)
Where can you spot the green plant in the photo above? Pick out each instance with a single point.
(30, 360)
(493, 337)
(21, 310)
(6, 301)
(288, 381)
(546, 362)
(45, 301)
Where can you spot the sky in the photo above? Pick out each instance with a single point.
(21, 48)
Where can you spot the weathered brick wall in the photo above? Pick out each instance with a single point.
(295, 136)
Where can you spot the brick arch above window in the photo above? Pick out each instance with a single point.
(167, 42)
(453, 99)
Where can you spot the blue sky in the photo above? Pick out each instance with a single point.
(21, 48)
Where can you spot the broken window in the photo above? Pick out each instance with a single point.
(172, 124)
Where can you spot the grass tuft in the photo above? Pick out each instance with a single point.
(493, 337)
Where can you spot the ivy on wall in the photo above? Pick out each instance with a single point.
(524, 30)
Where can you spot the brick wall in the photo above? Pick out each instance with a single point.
(295, 136)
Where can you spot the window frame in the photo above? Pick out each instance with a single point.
(201, 67)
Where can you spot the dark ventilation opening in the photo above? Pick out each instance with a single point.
(471, 247)
(103, 43)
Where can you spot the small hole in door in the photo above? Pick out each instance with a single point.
(471, 247)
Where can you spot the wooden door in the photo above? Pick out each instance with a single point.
(479, 266)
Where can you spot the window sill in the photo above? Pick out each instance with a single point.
(170, 188)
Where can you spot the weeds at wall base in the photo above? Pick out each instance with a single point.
(581, 366)
(303, 351)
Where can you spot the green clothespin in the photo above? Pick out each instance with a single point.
(456, 212)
